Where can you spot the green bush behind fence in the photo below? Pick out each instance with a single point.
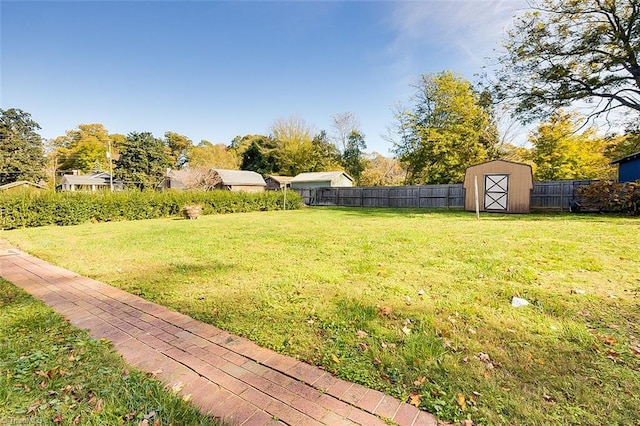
(25, 209)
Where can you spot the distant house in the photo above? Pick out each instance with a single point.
(239, 180)
(276, 183)
(176, 179)
(22, 185)
(94, 182)
(628, 168)
(322, 180)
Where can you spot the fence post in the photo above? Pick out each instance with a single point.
(448, 200)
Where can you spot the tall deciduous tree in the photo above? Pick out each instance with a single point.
(143, 161)
(560, 151)
(85, 148)
(382, 171)
(353, 155)
(326, 155)
(178, 147)
(447, 128)
(215, 156)
(21, 148)
(342, 125)
(294, 141)
(564, 51)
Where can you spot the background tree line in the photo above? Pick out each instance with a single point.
(558, 55)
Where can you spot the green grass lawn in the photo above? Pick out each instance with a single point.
(52, 373)
(415, 303)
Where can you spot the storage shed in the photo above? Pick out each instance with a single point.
(240, 180)
(503, 186)
(322, 180)
(276, 183)
(628, 168)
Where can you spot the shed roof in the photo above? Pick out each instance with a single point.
(281, 179)
(21, 183)
(85, 180)
(240, 177)
(319, 177)
(627, 158)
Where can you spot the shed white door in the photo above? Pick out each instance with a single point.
(496, 188)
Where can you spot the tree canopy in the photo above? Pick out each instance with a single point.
(215, 156)
(560, 151)
(85, 148)
(564, 52)
(353, 155)
(21, 147)
(446, 128)
(143, 161)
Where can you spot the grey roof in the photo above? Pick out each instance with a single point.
(319, 177)
(240, 177)
(84, 180)
(21, 183)
(280, 179)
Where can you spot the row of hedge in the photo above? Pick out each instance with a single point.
(25, 209)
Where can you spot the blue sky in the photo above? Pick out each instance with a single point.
(213, 70)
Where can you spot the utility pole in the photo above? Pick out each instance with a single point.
(110, 167)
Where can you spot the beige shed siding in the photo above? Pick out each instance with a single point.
(341, 181)
(520, 184)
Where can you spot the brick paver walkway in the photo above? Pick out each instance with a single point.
(226, 376)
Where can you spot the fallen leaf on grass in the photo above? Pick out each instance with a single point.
(361, 334)
(335, 358)
(462, 401)
(386, 311)
(58, 418)
(415, 399)
(406, 330)
(609, 340)
(376, 361)
(420, 381)
(33, 407)
(635, 350)
(548, 398)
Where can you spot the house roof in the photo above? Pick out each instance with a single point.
(627, 158)
(179, 175)
(280, 179)
(84, 180)
(21, 183)
(240, 177)
(319, 177)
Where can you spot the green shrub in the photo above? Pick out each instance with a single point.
(23, 210)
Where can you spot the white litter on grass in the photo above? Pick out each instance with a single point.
(578, 291)
(517, 302)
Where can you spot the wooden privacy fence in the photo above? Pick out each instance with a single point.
(550, 196)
